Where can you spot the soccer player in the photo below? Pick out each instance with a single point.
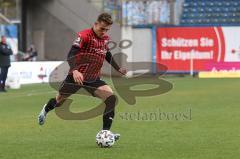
(5, 53)
(85, 59)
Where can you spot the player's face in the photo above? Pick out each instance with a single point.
(101, 28)
(3, 39)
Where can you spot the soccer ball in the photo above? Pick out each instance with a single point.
(105, 138)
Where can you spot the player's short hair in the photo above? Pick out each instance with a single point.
(106, 18)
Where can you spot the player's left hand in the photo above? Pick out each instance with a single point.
(123, 71)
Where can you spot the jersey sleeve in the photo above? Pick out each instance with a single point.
(79, 41)
(108, 41)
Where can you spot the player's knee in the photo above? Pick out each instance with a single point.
(103, 92)
(111, 101)
(60, 98)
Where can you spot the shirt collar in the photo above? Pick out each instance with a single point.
(95, 34)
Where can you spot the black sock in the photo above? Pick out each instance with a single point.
(109, 112)
(51, 105)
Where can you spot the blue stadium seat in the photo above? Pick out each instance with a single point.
(236, 4)
(214, 12)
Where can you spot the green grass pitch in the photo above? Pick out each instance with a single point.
(207, 126)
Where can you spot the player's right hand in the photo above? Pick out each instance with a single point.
(78, 77)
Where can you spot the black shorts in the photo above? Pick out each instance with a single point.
(69, 86)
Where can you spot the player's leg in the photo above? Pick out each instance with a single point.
(51, 104)
(67, 88)
(4, 72)
(1, 79)
(106, 94)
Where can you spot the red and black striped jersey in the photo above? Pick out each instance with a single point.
(92, 51)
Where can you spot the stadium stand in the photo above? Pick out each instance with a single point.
(214, 12)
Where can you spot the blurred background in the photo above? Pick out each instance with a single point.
(197, 41)
(187, 36)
